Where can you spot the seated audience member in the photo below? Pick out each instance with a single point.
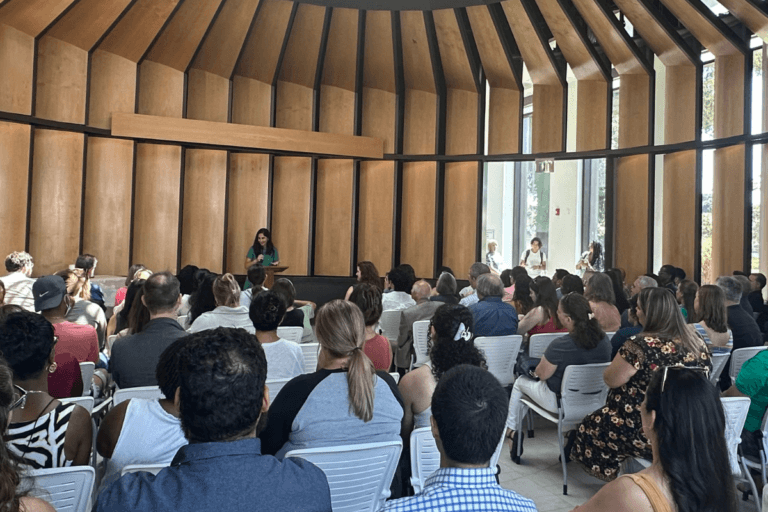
(285, 359)
(120, 293)
(755, 296)
(602, 443)
(43, 433)
(367, 297)
(422, 310)
(18, 283)
(712, 313)
(475, 271)
(202, 300)
(686, 295)
(187, 286)
(522, 299)
(746, 332)
(623, 334)
(621, 302)
(137, 313)
(640, 283)
(509, 287)
(585, 343)
(445, 289)
(287, 293)
(14, 498)
(134, 358)
(746, 288)
(599, 292)
(82, 311)
(543, 317)
(223, 404)
(399, 298)
(666, 277)
(142, 431)
(752, 382)
(450, 344)
(344, 402)
(409, 272)
(679, 275)
(467, 423)
(87, 263)
(366, 273)
(572, 284)
(492, 317)
(557, 280)
(256, 276)
(228, 311)
(684, 422)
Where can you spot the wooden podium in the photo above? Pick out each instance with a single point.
(271, 271)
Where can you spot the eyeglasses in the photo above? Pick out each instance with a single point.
(704, 370)
(22, 400)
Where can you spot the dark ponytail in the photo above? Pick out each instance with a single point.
(10, 497)
(586, 330)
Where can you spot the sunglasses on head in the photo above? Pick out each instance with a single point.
(702, 369)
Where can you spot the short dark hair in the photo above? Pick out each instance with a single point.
(222, 375)
(256, 274)
(186, 277)
(85, 261)
(17, 260)
(161, 292)
(572, 283)
(266, 311)
(410, 273)
(679, 273)
(518, 272)
(506, 277)
(284, 289)
(26, 341)
(167, 370)
(760, 278)
(560, 274)
(470, 408)
(368, 298)
(399, 280)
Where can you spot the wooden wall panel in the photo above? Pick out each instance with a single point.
(207, 96)
(631, 240)
(729, 96)
(418, 217)
(17, 57)
(680, 98)
(294, 106)
(32, 16)
(14, 182)
(591, 115)
(379, 116)
(107, 218)
(156, 206)
(57, 177)
(340, 66)
(205, 190)
(113, 88)
(86, 22)
(62, 76)
(547, 118)
(303, 49)
(161, 90)
(461, 122)
(376, 215)
(728, 211)
(379, 58)
(261, 52)
(680, 210)
(459, 220)
(333, 219)
(420, 122)
(634, 98)
(248, 206)
(291, 189)
(134, 33)
(337, 110)
(251, 101)
(503, 121)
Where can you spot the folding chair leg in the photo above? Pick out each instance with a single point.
(530, 424)
(751, 484)
(562, 454)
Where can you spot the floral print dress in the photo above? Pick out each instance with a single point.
(611, 434)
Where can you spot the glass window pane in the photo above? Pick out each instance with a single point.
(707, 188)
(708, 107)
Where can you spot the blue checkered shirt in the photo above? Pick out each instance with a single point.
(455, 489)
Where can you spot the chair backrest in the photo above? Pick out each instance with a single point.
(148, 392)
(395, 376)
(719, 360)
(293, 334)
(310, 351)
(86, 370)
(583, 391)
(501, 355)
(149, 468)
(359, 475)
(67, 489)
(390, 324)
(420, 338)
(736, 409)
(85, 402)
(275, 385)
(538, 343)
(740, 356)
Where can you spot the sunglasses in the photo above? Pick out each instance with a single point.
(704, 370)
(22, 400)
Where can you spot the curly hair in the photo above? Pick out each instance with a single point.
(368, 298)
(77, 283)
(17, 260)
(26, 342)
(10, 497)
(444, 350)
(266, 311)
(167, 369)
(369, 274)
(222, 376)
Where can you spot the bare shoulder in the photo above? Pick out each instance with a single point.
(621, 494)
(30, 504)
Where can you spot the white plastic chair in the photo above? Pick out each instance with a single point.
(395, 376)
(719, 360)
(420, 338)
(293, 334)
(501, 355)
(67, 489)
(763, 462)
(538, 343)
(85, 402)
(582, 391)
(86, 370)
(148, 392)
(390, 325)
(736, 409)
(149, 468)
(310, 351)
(741, 356)
(359, 475)
(275, 385)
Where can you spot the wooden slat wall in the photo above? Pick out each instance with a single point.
(17, 59)
(14, 181)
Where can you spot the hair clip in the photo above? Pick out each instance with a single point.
(462, 333)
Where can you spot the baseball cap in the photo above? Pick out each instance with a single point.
(48, 291)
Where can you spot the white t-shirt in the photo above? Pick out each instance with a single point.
(285, 360)
(534, 260)
(224, 316)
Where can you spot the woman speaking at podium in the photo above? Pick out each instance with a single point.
(262, 252)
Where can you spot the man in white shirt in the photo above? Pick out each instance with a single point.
(400, 298)
(475, 271)
(18, 284)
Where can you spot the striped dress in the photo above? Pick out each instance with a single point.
(40, 444)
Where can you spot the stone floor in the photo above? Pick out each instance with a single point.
(540, 476)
